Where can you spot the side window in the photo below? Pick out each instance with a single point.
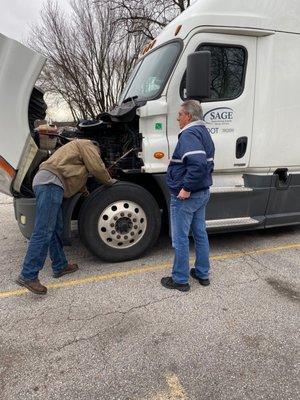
(228, 71)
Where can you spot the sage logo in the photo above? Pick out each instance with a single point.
(221, 115)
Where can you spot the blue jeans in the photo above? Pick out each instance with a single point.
(189, 215)
(46, 234)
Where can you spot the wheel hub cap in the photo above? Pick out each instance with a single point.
(122, 224)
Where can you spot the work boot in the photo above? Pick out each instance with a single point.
(168, 283)
(34, 286)
(69, 269)
(203, 282)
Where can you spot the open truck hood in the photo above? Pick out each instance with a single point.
(19, 70)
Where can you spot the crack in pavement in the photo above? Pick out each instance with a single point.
(250, 265)
(122, 312)
(260, 263)
(116, 312)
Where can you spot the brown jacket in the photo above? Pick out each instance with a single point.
(73, 162)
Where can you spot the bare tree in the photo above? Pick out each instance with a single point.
(89, 57)
(146, 17)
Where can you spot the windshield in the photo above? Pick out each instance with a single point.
(151, 73)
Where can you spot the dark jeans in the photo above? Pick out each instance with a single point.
(47, 233)
(189, 215)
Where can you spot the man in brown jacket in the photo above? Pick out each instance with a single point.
(62, 175)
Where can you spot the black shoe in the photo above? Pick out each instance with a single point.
(203, 282)
(168, 283)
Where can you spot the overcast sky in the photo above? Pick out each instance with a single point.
(16, 16)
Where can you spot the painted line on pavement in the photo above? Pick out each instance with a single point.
(150, 268)
(175, 390)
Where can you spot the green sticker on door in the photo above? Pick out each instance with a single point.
(158, 126)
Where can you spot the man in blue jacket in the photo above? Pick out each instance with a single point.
(189, 178)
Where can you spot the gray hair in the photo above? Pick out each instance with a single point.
(193, 107)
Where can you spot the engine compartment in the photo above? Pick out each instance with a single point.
(119, 142)
(116, 132)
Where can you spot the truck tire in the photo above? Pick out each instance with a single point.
(119, 223)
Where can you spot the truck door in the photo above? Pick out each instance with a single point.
(229, 117)
(229, 112)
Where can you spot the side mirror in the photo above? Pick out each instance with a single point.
(198, 75)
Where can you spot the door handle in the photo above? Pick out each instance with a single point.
(241, 146)
(283, 178)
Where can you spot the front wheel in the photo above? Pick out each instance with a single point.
(119, 223)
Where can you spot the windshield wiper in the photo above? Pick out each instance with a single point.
(131, 98)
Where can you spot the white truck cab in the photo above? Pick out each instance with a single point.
(251, 112)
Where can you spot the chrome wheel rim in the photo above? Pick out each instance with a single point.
(122, 224)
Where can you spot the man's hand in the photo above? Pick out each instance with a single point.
(183, 195)
(112, 182)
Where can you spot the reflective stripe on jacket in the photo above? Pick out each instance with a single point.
(192, 162)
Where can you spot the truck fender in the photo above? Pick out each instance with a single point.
(68, 207)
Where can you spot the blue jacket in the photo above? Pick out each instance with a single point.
(192, 162)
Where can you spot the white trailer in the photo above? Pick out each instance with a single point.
(252, 113)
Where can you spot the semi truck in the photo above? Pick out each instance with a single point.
(242, 60)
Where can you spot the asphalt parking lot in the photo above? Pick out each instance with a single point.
(111, 331)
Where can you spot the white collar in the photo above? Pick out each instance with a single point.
(193, 123)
